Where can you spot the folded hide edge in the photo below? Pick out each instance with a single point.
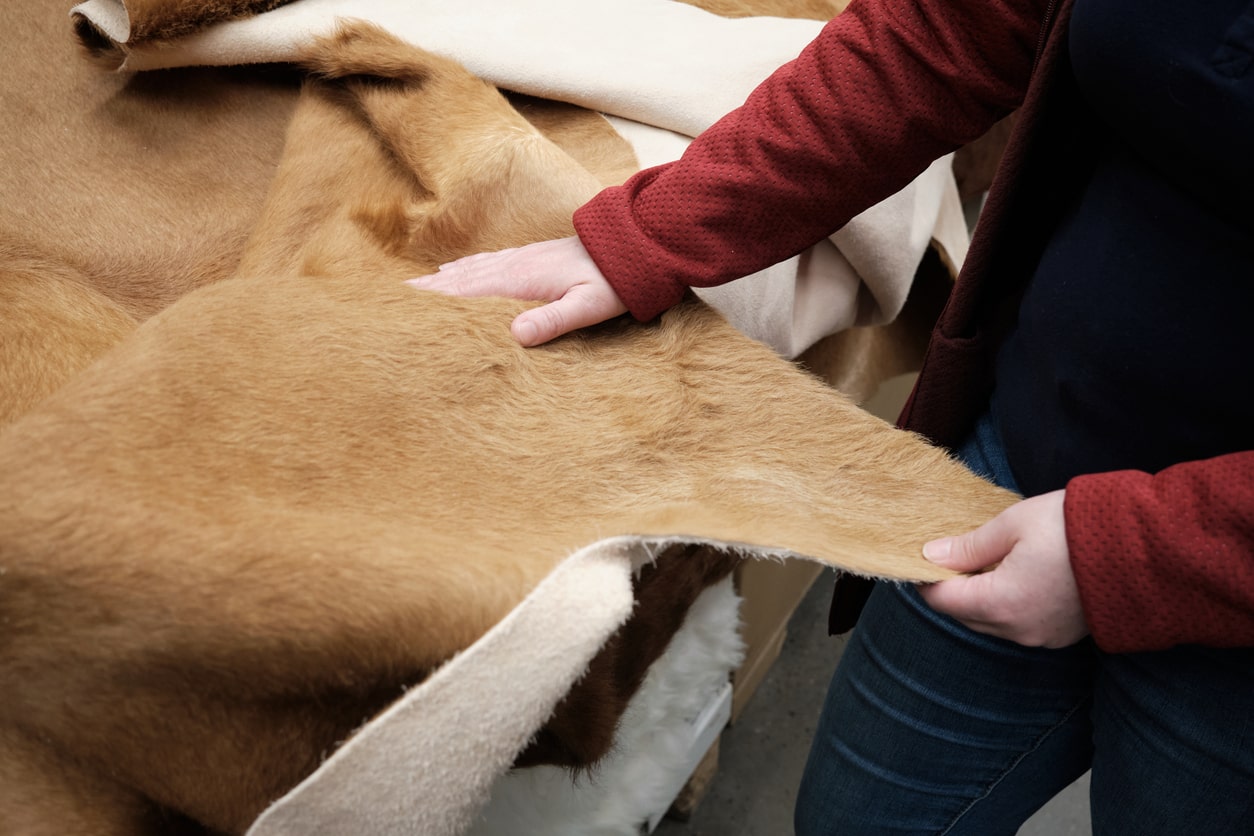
(662, 70)
(316, 469)
(427, 764)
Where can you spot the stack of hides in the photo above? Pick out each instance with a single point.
(287, 546)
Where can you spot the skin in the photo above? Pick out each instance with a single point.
(558, 272)
(1029, 594)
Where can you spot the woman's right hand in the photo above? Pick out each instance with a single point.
(558, 272)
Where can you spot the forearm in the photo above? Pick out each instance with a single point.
(1166, 559)
(886, 88)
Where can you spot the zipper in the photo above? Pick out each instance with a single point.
(1047, 23)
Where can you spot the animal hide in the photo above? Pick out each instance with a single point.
(664, 71)
(255, 492)
(683, 702)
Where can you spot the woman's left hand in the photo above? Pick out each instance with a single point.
(1030, 597)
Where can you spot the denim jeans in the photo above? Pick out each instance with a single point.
(931, 728)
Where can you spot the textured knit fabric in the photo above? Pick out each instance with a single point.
(817, 143)
(886, 87)
(1167, 556)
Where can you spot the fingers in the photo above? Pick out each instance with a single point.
(973, 599)
(559, 272)
(1035, 612)
(541, 325)
(1030, 596)
(970, 600)
(976, 549)
(583, 305)
(543, 271)
(483, 274)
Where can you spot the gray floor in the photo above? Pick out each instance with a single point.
(761, 757)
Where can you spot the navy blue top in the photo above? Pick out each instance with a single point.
(1135, 337)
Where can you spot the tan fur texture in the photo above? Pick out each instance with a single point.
(53, 325)
(809, 9)
(239, 515)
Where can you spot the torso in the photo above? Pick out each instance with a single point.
(1132, 346)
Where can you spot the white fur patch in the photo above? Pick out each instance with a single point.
(652, 757)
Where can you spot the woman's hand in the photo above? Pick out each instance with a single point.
(558, 272)
(1031, 596)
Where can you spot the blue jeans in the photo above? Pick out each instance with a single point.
(931, 728)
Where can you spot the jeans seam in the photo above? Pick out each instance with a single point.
(1011, 768)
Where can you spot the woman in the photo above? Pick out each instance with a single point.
(1093, 356)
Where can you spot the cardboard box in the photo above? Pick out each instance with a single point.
(769, 593)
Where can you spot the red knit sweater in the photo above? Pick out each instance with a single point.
(886, 88)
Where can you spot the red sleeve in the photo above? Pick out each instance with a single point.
(886, 88)
(1166, 559)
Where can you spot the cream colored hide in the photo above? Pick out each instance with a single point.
(281, 499)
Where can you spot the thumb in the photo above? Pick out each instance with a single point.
(581, 306)
(538, 325)
(547, 322)
(974, 550)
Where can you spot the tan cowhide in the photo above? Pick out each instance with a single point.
(252, 486)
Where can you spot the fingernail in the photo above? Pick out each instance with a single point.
(419, 281)
(526, 332)
(938, 549)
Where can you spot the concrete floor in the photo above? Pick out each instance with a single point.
(761, 757)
